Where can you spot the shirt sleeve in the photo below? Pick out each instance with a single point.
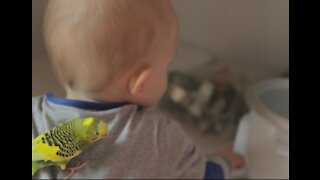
(217, 168)
(183, 159)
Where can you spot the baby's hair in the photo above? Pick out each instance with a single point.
(90, 42)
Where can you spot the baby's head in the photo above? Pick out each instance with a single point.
(111, 50)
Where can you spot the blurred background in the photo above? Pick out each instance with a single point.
(225, 47)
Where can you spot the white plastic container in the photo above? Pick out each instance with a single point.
(263, 133)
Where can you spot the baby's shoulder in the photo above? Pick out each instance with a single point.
(160, 121)
(154, 116)
(36, 101)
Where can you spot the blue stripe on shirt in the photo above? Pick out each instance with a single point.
(96, 106)
(213, 171)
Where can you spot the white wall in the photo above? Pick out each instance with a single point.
(246, 33)
(38, 49)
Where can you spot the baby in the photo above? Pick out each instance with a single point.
(112, 57)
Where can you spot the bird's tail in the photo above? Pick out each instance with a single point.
(35, 167)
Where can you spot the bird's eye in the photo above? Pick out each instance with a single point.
(97, 133)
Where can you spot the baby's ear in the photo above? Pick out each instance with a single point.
(138, 81)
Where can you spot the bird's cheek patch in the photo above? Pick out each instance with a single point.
(87, 122)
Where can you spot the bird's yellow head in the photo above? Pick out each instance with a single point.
(95, 129)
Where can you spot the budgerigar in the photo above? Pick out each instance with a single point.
(65, 141)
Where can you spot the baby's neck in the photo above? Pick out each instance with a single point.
(77, 96)
(105, 97)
